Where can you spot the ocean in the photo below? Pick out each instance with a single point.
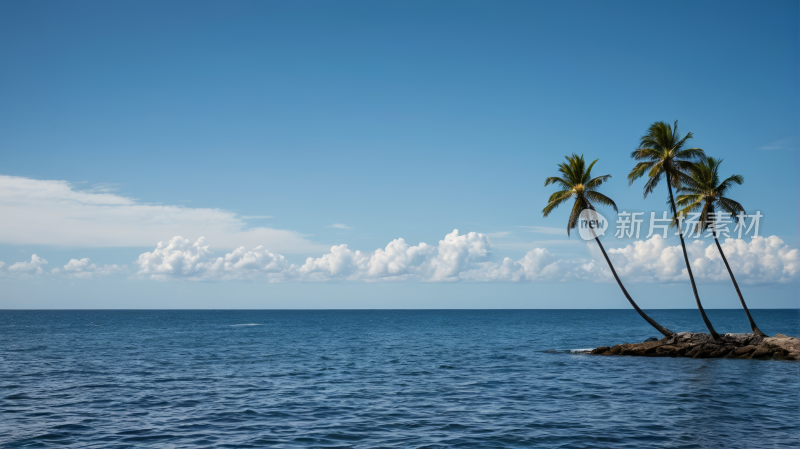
(383, 378)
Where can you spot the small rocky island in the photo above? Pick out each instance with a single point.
(687, 344)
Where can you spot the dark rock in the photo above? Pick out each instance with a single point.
(697, 345)
(705, 351)
(721, 352)
(692, 351)
(744, 350)
(762, 351)
(667, 351)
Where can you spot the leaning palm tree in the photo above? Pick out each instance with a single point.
(706, 192)
(577, 183)
(662, 154)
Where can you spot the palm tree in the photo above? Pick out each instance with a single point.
(662, 154)
(705, 191)
(577, 183)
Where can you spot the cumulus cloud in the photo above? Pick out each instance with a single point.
(457, 257)
(27, 268)
(179, 258)
(466, 257)
(761, 260)
(399, 261)
(42, 212)
(85, 269)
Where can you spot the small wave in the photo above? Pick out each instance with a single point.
(247, 324)
(570, 351)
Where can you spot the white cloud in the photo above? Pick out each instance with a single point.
(499, 234)
(466, 258)
(457, 252)
(28, 268)
(544, 230)
(761, 260)
(457, 257)
(528, 245)
(179, 258)
(340, 263)
(783, 144)
(55, 213)
(339, 226)
(84, 269)
(398, 260)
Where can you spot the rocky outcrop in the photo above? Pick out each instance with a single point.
(687, 344)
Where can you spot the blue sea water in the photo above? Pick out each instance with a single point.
(393, 378)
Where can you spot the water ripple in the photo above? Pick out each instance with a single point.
(364, 379)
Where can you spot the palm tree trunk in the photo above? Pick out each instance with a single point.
(714, 333)
(753, 326)
(660, 328)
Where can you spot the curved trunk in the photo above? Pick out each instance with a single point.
(753, 326)
(652, 322)
(714, 333)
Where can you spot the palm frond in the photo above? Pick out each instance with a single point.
(726, 185)
(690, 154)
(704, 221)
(730, 206)
(587, 173)
(690, 207)
(564, 184)
(579, 205)
(601, 199)
(684, 200)
(691, 186)
(594, 183)
(650, 154)
(639, 170)
(556, 200)
(651, 184)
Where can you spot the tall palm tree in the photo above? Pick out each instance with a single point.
(705, 191)
(662, 155)
(577, 183)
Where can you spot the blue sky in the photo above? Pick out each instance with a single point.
(362, 122)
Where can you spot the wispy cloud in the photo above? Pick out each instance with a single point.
(339, 226)
(85, 269)
(789, 143)
(256, 217)
(104, 187)
(521, 245)
(47, 212)
(544, 230)
(499, 235)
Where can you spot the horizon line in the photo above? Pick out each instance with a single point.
(387, 309)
